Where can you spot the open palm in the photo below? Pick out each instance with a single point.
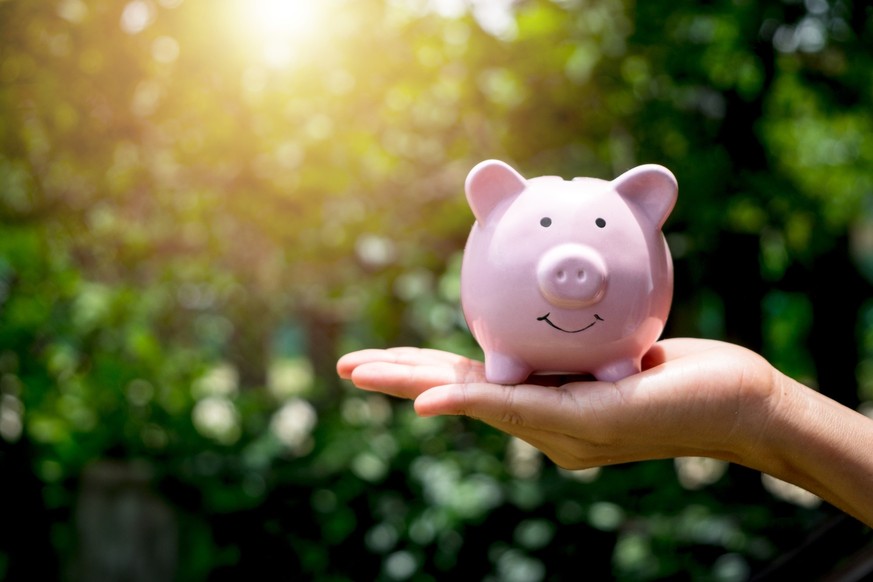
(688, 400)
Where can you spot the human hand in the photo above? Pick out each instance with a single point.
(694, 397)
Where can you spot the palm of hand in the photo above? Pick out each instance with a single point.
(691, 399)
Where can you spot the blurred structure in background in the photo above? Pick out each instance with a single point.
(124, 531)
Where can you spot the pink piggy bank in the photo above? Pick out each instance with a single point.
(566, 276)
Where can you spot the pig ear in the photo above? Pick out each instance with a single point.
(490, 182)
(652, 188)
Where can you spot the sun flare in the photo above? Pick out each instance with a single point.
(280, 27)
(283, 18)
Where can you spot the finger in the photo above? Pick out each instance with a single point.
(562, 409)
(404, 355)
(347, 363)
(408, 381)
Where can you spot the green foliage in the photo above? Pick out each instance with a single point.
(199, 211)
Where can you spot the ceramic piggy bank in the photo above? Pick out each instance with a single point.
(566, 276)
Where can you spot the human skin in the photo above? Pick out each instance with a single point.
(694, 397)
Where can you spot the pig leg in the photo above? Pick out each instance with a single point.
(618, 369)
(504, 369)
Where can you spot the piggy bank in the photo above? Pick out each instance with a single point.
(566, 277)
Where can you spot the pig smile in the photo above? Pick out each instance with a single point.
(547, 320)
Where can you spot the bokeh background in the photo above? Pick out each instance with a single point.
(204, 203)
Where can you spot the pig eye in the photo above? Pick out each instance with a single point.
(546, 222)
(600, 223)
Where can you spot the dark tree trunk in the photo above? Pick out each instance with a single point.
(837, 292)
(25, 528)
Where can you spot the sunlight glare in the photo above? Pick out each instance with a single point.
(281, 26)
(283, 17)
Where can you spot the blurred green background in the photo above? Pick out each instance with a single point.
(204, 203)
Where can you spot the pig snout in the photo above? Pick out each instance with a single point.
(572, 276)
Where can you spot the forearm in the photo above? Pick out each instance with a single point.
(820, 445)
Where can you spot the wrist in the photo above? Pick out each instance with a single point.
(765, 405)
(812, 441)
